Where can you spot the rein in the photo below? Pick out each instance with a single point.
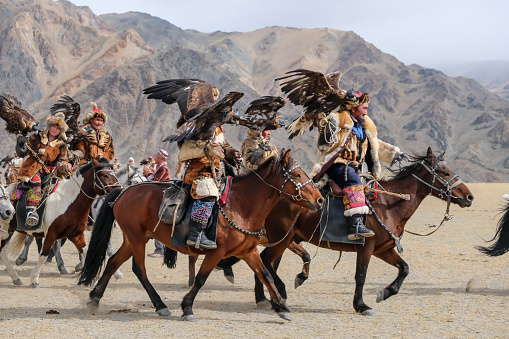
(102, 186)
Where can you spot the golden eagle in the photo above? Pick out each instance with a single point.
(193, 96)
(262, 114)
(202, 126)
(319, 94)
(71, 109)
(18, 120)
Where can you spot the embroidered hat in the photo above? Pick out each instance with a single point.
(162, 153)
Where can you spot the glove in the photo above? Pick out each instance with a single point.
(21, 147)
(400, 156)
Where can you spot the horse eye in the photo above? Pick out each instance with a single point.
(297, 175)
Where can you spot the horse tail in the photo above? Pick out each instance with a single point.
(227, 262)
(15, 245)
(101, 235)
(501, 244)
(170, 257)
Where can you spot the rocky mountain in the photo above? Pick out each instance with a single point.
(48, 48)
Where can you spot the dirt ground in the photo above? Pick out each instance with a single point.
(433, 301)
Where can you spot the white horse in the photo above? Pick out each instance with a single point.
(6, 214)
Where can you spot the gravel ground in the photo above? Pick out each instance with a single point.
(452, 291)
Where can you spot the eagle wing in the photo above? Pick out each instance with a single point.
(71, 110)
(192, 95)
(262, 113)
(315, 93)
(18, 120)
(203, 125)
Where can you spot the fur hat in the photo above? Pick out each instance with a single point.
(59, 121)
(96, 112)
(355, 99)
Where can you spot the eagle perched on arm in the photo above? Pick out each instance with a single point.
(262, 114)
(200, 113)
(319, 94)
(18, 120)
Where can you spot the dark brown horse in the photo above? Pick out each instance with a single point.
(66, 214)
(427, 175)
(239, 225)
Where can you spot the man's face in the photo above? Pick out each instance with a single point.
(360, 112)
(158, 159)
(96, 123)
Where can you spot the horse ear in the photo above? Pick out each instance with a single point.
(441, 157)
(285, 158)
(430, 155)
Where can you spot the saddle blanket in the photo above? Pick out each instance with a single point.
(333, 223)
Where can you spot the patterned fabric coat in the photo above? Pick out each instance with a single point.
(94, 143)
(371, 150)
(53, 154)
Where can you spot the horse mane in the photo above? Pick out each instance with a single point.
(89, 165)
(124, 170)
(267, 163)
(414, 167)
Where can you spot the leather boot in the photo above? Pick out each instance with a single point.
(198, 239)
(32, 217)
(356, 228)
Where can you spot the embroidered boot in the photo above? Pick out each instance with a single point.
(32, 217)
(356, 228)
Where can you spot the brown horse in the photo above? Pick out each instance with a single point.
(427, 175)
(66, 215)
(250, 200)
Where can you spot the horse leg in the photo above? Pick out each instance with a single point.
(208, 264)
(81, 246)
(58, 257)
(192, 269)
(254, 261)
(393, 258)
(138, 250)
(110, 251)
(43, 255)
(363, 258)
(114, 262)
(306, 259)
(5, 258)
(20, 260)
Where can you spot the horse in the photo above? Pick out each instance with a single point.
(238, 230)
(66, 214)
(501, 237)
(426, 175)
(6, 213)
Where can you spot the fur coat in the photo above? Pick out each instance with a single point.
(371, 150)
(53, 154)
(92, 143)
(256, 149)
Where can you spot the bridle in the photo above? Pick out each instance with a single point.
(101, 185)
(3, 195)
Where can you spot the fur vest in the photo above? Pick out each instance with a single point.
(92, 143)
(53, 154)
(370, 150)
(256, 149)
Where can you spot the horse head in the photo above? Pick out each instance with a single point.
(444, 183)
(6, 208)
(303, 192)
(100, 176)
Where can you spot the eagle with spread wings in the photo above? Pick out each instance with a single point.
(319, 94)
(18, 120)
(71, 110)
(262, 114)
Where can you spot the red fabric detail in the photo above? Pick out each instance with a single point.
(55, 188)
(375, 195)
(96, 110)
(224, 196)
(36, 178)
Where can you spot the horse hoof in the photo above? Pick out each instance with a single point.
(35, 285)
(118, 275)
(380, 296)
(230, 278)
(285, 315)
(368, 312)
(20, 261)
(47, 263)
(93, 304)
(298, 282)
(64, 270)
(163, 312)
(264, 305)
(189, 317)
(17, 282)
(78, 268)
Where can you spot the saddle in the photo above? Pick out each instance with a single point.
(19, 197)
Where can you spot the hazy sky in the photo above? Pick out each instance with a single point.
(430, 33)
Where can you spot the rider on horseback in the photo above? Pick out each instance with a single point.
(352, 129)
(47, 153)
(96, 142)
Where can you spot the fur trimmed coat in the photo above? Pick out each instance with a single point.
(53, 154)
(256, 149)
(371, 150)
(92, 143)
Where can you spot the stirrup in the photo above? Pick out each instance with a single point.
(32, 219)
